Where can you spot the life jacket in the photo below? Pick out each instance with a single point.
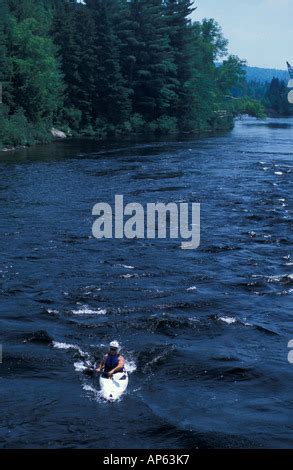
(111, 362)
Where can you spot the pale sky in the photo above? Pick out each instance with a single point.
(260, 31)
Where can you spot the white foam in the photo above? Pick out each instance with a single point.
(228, 320)
(279, 173)
(279, 278)
(125, 266)
(193, 319)
(88, 290)
(66, 346)
(274, 278)
(97, 393)
(284, 166)
(49, 310)
(102, 345)
(130, 366)
(79, 366)
(85, 310)
(191, 288)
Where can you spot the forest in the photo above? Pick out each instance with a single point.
(273, 95)
(113, 68)
(263, 75)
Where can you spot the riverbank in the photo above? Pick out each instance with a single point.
(222, 121)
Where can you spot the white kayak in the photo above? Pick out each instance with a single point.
(113, 389)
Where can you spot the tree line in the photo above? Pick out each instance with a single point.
(272, 96)
(111, 68)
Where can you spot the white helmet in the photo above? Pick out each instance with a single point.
(115, 345)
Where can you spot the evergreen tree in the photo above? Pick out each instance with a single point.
(111, 100)
(184, 45)
(5, 66)
(125, 28)
(104, 67)
(276, 98)
(74, 31)
(154, 70)
(64, 30)
(230, 74)
(37, 81)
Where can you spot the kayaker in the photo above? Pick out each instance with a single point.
(112, 362)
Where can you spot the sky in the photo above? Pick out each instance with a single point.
(260, 31)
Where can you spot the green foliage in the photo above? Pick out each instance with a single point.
(15, 129)
(164, 125)
(253, 89)
(230, 74)
(111, 68)
(137, 123)
(246, 105)
(72, 117)
(242, 97)
(276, 98)
(272, 96)
(153, 70)
(216, 44)
(264, 76)
(5, 66)
(36, 76)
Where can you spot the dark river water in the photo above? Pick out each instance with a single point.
(204, 332)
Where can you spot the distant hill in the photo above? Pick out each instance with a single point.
(265, 75)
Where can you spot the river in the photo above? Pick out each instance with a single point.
(204, 332)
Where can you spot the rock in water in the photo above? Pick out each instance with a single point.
(58, 134)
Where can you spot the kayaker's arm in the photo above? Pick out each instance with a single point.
(102, 364)
(119, 366)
